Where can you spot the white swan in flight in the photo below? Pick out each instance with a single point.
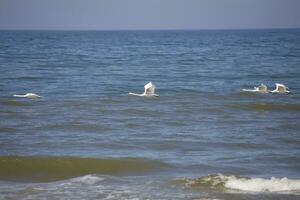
(149, 91)
(280, 88)
(261, 89)
(28, 95)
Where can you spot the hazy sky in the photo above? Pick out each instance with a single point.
(149, 14)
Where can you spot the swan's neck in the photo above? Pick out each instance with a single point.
(144, 94)
(18, 95)
(135, 94)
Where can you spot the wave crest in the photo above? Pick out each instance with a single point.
(46, 169)
(245, 184)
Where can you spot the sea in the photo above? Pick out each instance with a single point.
(203, 138)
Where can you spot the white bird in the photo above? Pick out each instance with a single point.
(261, 89)
(280, 88)
(149, 91)
(28, 95)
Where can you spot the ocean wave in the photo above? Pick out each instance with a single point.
(87, 179)
(10, 102)
(71, 126)
(27, 78)
(47, 169)
(269, 107)
(7, 130)
(244, 184)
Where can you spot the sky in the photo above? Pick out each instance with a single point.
(148, 14)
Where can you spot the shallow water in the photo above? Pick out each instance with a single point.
(201, 127)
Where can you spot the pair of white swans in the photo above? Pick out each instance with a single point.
(149, 92)
(280, 88)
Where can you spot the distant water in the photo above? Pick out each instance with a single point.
(201, 139)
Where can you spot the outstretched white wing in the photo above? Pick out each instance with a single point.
(149, 89)
(263, 88)
(280, 88)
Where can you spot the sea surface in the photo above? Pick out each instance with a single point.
(202, 138)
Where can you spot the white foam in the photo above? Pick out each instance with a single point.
(246, 184)
(87, 179)
(261, 184)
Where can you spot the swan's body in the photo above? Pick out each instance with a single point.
(280, 88)
(261, 89)
(149, 91)
(28, 95)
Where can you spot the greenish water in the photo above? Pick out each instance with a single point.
(46, 169)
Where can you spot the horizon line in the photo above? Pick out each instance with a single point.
(192, 29)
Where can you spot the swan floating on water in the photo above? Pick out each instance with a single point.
(28, 95)
(280, 88)
(149, 91)
(261, 89)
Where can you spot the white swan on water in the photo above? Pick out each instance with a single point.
(280, 88)
(261, 89)
(28, 95)
(149, 91)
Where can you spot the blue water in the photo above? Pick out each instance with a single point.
(201, 124)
